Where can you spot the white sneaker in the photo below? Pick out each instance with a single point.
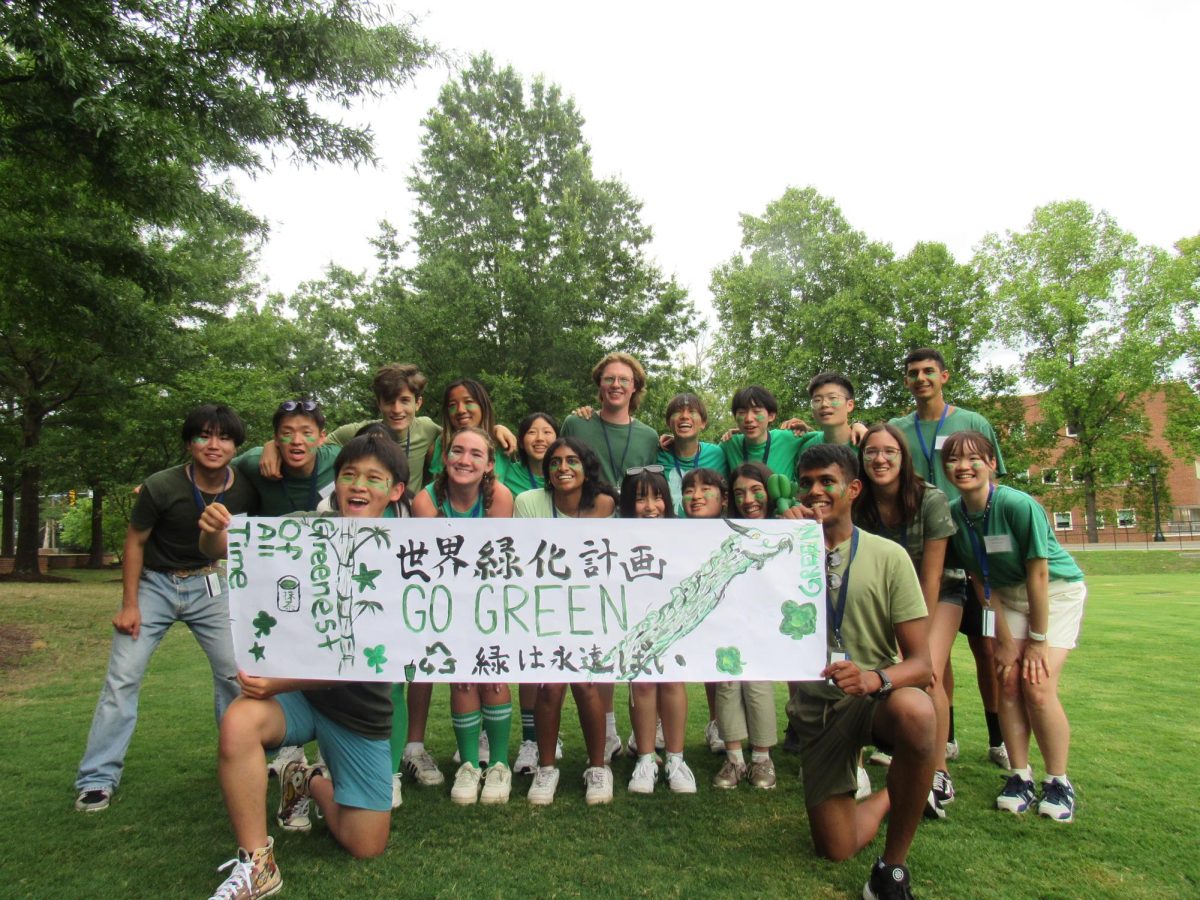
(558, 748)
(660, 742)
(423, 768)
(497, 784)
(679, 777)
(397, 798)
(527, 759)
(612, 746)
(598, 783)
(545, 783)
(465, 791)
(999, 755)
(485, 751)
(284, 756)
(712, 734)
(645, 773)
(864, 785)
(879, 758)
(951, 751)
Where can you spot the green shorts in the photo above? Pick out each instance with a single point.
(831, 734)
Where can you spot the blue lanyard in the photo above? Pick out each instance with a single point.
(977, 540)
(532, 478)
(837, 613)
(692, 463)
(618, 475)
(766, 450)
(925, 451)
(200, 504)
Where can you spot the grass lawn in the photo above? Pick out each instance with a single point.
(1130, 690)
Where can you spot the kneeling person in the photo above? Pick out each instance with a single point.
(351, 721)
(875, 607)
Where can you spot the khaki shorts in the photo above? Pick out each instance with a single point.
(1067, 599)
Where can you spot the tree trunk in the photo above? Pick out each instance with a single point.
(26, 561)
(1089, 502)
(8, 496)
(96, 555)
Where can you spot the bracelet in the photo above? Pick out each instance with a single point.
(1036, 636)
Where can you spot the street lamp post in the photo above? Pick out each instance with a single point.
(1158, 535)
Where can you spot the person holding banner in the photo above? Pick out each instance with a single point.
(645, 495)
(746, 709)
(574, 489)
(1006, 541)
(351, 721)
(466, 487)
(167, 580)
(874, 692)
(897, 504)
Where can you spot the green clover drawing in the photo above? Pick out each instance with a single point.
(729, 660)
(263, 623)
(366, 577)
(375, 657)
(258, 651)
(799, 619)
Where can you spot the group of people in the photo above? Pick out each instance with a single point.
(909, 508)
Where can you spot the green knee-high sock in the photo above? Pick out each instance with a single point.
(528, 726)
(497, 722)
(466, 735)
(399, 725)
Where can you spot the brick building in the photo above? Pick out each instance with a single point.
(1129, 504)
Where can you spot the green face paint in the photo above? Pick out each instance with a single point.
(310, 438)
(977, 465)
(284, 438)
(375, 484)
(760, 417)
(760, 496)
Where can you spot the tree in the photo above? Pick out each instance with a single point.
(114, 119)
(528, 266)
(809, 293)
(1094, 329)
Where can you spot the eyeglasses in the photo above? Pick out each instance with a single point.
(831, 399)
(622, 380)
(293, 405)
(889, 453)
(638, 470)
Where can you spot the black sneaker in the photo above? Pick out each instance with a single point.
(1058, 801)
(933, 807)
(943, 787)
(1018, 795)
(890, 882)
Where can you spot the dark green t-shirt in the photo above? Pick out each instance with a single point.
(779, 451)
(933, 436)
(416, 441)
(287, 495)
(620, 447)
(167, 505)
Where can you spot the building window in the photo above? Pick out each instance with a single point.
(1070, 431)
(1099, 520)
(1062, 521)
(1077, 476)
(1022, 476)
(1050, 476)
(1126, 518)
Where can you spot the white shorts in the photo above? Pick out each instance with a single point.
(1067, 599)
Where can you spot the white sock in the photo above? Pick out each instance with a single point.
(672, 756)
(735, 757)
(610, 723)
(413, 747)
(1061, 779)
(1026, 773)
(760, 755)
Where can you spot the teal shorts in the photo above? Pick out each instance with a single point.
(361, 767)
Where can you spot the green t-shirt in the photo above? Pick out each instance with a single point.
(708, 456)
(281, 497)
(517, 478)
(782, 448)
(423, 432)
(1030, 536)
(501, 467)
(883, 591)
(166, 505)
(933, 522)
(956, 420)
(620, 447)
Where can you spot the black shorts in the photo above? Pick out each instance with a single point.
(972, 618)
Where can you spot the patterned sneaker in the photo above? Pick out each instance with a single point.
(933, 807)
(1017, 796)
(1058, 801)
(864, 785)
(999, 755)
(527, 759)
(612, 746)
(423, 768)
(598, 783)
(93, 800)
(729, 775)
(890, 882)
(397, 796)
(293, 797)
(951, 750)
(545, 783)
(712, 735)
(645, 773)
(762, 774)
(465, 791)
(254, 875)
(284, 756)
(679, 777)
(943, 787)
(497, 784)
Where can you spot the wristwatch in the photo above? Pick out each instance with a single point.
(1036, 636)
(885, 684)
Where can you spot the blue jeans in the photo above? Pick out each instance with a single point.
(162, 600)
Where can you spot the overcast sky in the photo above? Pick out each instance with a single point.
(923, 121)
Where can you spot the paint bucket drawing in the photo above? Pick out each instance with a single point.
(287, 593)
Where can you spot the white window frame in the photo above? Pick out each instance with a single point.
(1049, 476)
(1130, 522)
(1058, 526)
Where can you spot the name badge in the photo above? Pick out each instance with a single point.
(939, 441)
(212, 583)
(998, 543)
(989, 623)
(836, 656)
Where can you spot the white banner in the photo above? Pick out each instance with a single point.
(527, 600)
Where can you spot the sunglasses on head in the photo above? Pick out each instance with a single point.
(293, 405)
(638, 470)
